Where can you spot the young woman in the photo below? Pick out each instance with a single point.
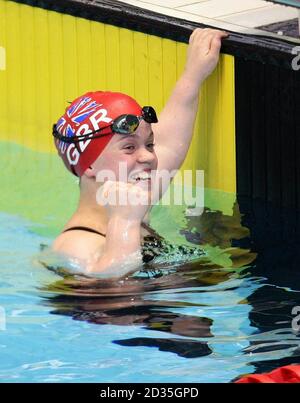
(116, 147)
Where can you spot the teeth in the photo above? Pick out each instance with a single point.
(141, 176)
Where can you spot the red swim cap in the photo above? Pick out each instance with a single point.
(86, 114)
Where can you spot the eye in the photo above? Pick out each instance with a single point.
(129, 147)
(151, 145)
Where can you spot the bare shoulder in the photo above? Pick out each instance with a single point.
(78, 244)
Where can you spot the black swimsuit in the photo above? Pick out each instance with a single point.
(151, 246)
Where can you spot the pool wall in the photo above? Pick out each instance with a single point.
(246, 133)
(56, 53)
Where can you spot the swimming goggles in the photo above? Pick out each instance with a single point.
(124, 124)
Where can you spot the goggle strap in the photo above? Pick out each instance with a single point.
(77, 139)
(148, 114)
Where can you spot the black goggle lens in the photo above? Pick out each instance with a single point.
(149, 114)
(125, 124)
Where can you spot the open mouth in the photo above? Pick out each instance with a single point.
(141, 177)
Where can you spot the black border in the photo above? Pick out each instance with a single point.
(264, 49)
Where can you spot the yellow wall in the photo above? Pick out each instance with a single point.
(51, 58)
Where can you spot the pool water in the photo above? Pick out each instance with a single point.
(210, 319)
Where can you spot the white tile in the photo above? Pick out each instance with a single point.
(178, 13)
(161, 3)
(136, 3)
(217, 8)
(171, 3)
(268, 15)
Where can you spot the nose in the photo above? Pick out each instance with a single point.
(145, 155)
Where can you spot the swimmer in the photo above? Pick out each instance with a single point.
(109, 133)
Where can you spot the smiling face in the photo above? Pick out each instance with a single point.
(134, 152)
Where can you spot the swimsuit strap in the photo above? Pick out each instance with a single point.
(84, 229)
(81, 228)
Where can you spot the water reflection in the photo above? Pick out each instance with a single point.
(132, 302)
(199, 308)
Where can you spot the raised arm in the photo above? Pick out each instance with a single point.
(174, 131)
